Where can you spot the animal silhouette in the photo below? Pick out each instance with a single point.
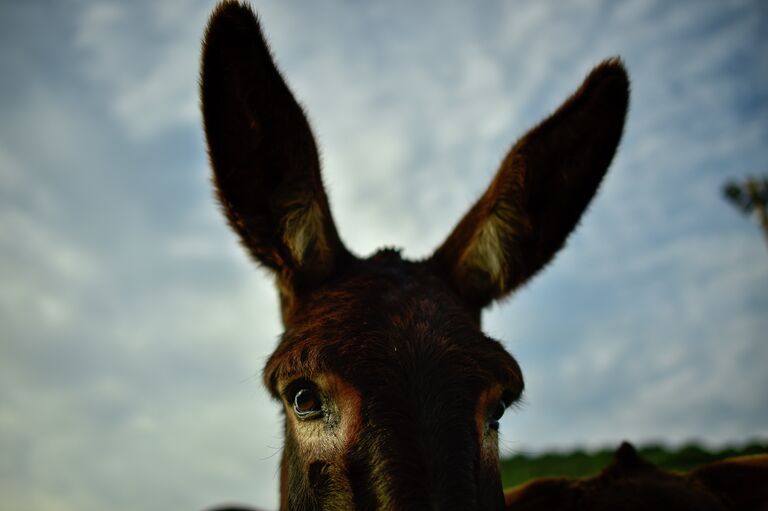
(631, 483)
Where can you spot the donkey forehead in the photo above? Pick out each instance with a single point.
(388, 318)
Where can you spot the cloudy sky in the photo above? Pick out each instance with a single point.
(133, 328)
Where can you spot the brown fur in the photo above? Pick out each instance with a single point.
(393, 350)
(631, 483)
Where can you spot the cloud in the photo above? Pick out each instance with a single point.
(144, 59)
(671, 358)
(134, 327)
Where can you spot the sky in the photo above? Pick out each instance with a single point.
(133, 328)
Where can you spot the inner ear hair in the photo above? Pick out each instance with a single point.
(265, 163)
(539, 193)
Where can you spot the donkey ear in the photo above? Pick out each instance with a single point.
(541, 190)
(265, 164)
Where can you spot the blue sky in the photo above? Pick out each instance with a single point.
(133, 328)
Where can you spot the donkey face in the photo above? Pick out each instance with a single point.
(391, 392)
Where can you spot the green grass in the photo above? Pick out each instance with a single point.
(580, 463)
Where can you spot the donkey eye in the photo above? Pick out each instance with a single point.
(496, 414)
(306, 403)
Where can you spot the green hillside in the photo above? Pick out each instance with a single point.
(579, 463)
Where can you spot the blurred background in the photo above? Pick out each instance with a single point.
(133, 328)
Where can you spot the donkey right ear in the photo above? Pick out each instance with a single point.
(265, 164)
(538, 195)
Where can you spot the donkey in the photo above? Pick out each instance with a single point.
(632, 483)
(391, 392)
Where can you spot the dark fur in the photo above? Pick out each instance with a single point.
(631, 483)
(403, 336)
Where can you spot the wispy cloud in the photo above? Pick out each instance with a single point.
(147, 81)
(134, 328)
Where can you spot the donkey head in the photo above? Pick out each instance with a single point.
(391, 392)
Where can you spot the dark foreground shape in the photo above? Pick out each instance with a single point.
(631, 483)
(391, 392)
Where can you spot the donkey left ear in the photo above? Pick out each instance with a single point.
(265, 163)
(538, 195)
